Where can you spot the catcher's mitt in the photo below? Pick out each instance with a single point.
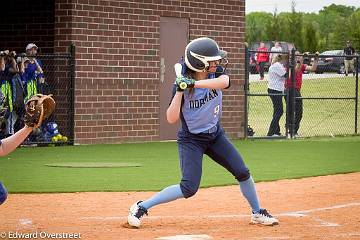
(38, 108)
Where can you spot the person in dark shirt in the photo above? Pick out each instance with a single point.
(8, 69)
(34, 75)
(349, 61)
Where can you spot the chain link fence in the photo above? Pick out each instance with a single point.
(325, 105)
(57, 79)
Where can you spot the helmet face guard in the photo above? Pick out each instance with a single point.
(223, 64)
(200, 52)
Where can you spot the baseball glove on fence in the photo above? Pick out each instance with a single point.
(38, 108)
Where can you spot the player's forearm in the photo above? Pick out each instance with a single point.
(9, 144)
(313, 67)
(22, 66)
(173, 111)
(214, 83)
(14, 67)
(38, 66)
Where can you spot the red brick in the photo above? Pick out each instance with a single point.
(113, 37)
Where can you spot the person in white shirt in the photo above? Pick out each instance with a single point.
(276, 48)
(276, 85)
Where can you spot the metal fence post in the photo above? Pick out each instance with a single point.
(246, 89)
(72, 92)
(356, 92)
(291, 95)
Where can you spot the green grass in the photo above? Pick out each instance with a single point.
(24, 169)
(320, 117)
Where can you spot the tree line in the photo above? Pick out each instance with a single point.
(310, 32)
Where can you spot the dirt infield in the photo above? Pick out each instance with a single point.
(326, 207)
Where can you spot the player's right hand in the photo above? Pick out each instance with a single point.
(184, 82)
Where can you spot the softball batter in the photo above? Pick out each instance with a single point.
(199, 107)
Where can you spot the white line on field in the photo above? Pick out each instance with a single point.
(272, 238)
(301, 213)
(319, 209)
(25, 223)
(186, 237)
(356, 234)
(326, 224)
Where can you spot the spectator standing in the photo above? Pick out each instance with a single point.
(276, 48)
(300, 68)
(276, 85)
(8, 70)
(34, 74)
(349, 61)
(262, 57)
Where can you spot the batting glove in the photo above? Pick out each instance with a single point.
(184, 82)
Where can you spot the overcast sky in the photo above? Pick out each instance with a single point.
(301, 5)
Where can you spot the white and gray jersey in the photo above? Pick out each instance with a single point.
(277, 77)
(201, 109)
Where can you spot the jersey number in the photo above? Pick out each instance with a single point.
(216, 110)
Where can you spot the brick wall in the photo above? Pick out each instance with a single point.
(22, 22)
(117, 61)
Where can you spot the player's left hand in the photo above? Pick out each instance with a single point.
(38, 108)
(184, 82)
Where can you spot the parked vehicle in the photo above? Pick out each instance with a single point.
(254, 68)
(333, 63)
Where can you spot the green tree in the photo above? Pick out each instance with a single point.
(256, 23)
(295, 28)
(341, 35)
(354, 30)
(341, 10)
(310, 39)
(273, 27)
(332, 20)
(284, 32)
(333, 25)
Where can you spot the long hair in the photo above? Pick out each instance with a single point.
(190, 74)
(298, 62)
(278, 58)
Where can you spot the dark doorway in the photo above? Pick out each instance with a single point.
(174, 34)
